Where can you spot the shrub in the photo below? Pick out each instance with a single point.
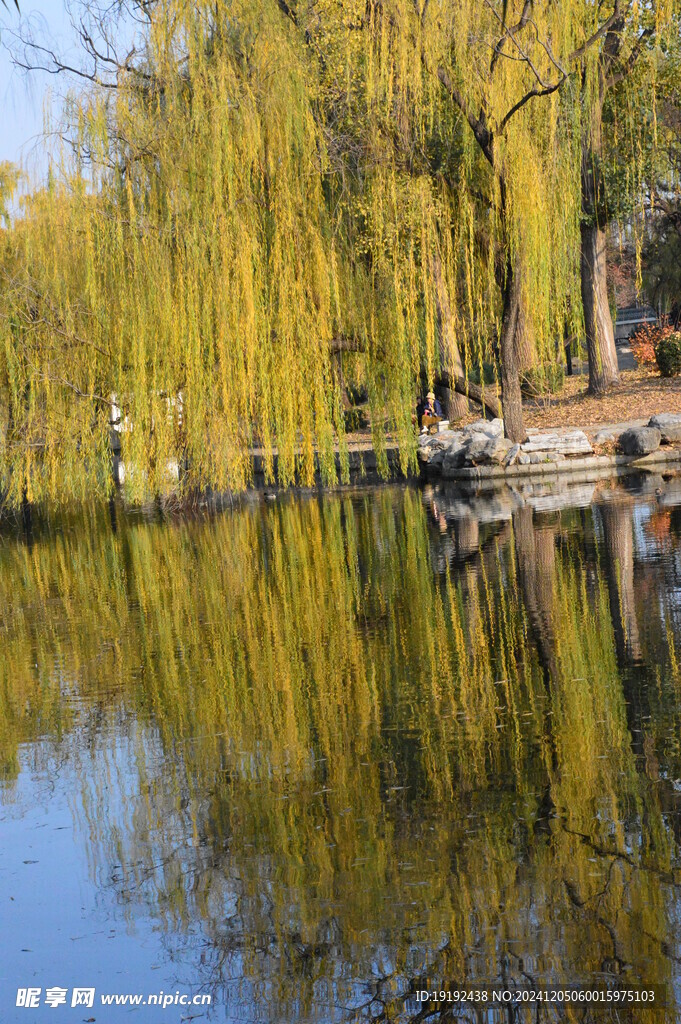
(543, 379)
(658, 345)
(668, 354)
(645, 340)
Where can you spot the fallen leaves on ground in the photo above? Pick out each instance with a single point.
(640, 394)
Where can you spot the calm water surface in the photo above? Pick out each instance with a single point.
(312, 755)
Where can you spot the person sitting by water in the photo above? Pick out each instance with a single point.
(430, 408)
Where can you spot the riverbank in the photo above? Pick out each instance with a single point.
(639, 395)
(480, 451)
(629, 404)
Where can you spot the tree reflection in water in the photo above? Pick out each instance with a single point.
(345, 748)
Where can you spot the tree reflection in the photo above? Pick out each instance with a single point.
(345, 765)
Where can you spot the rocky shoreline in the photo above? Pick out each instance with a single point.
(480, 449)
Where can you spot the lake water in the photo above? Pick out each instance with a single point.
(312, 755)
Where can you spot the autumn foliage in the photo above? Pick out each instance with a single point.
(658, 346)
(644, 341)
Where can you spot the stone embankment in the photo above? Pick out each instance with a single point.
(480, 449)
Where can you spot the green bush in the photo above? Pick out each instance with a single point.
(668, 354)
(543, 379)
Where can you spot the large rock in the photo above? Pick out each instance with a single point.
(669, 425)
(436, 457)
(449, 437)
(640, 440)
(569, 442)
(490, 428)
(455, 458)
(432, 446)
(487, 451)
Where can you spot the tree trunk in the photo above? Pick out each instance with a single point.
(472, 391)
(600, 338)
(524, 340)
(511, 398)
(524, 334)
(455, 405)
(526, 352)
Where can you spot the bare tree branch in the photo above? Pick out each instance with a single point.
(509, 32)
(618, 76)
(534, 91)
(480, 130)
(598, 34)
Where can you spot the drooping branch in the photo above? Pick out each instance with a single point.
(455, 382)
(534, 91)
(477, 124)
(470, 390)
(90, 396)
(613, 79)
(603, 30)
(509, 32)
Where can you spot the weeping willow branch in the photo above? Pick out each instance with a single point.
(477, 124)
(90, 396)
(619, 76)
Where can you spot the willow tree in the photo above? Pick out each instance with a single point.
(198, 265)
(529, 83)
(185, 269)
(626, 29)
(486, 80)
(259, 190)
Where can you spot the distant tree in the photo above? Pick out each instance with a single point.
(9, 179)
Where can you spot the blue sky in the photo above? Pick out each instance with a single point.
(23, 95)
